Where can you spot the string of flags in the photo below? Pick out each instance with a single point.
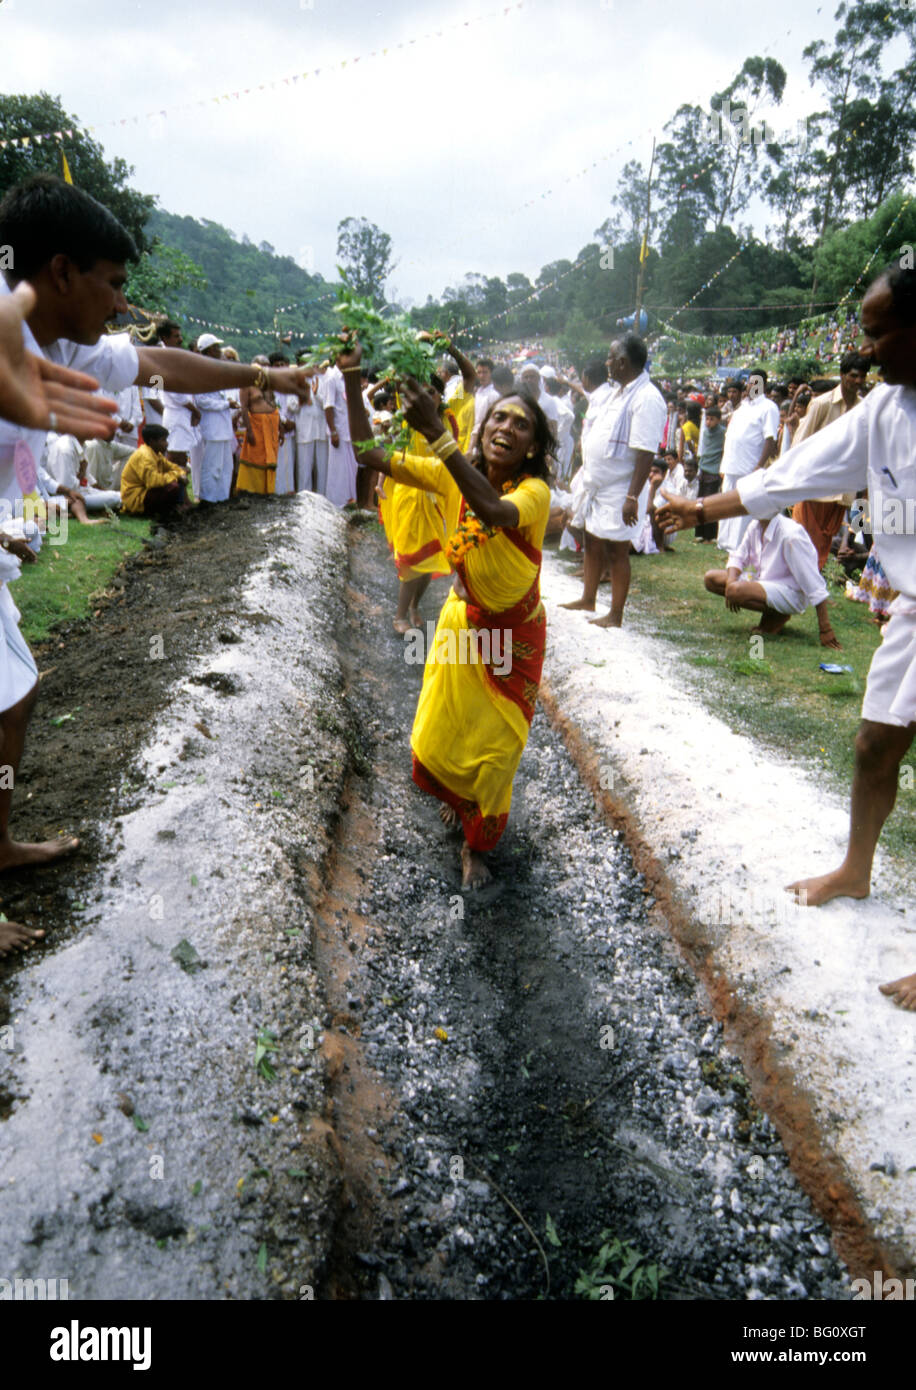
(877, 251)
(291, 80)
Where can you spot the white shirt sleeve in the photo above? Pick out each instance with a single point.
(831, 461)
(113, 360)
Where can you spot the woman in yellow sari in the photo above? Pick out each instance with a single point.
(483, 668)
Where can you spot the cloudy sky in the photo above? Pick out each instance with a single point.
(440, 143)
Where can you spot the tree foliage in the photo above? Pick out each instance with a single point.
(364, 253)
(105, 180)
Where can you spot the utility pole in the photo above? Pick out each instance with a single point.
(644, 239)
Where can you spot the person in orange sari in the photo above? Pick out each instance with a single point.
(483, 667)
(261, 447)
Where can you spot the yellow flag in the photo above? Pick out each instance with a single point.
(68, 177)
(644, 250)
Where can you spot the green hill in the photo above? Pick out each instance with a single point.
(246, 285)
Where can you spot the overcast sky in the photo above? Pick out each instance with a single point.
(439, 143)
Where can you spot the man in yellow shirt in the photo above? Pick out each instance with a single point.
(151, 484)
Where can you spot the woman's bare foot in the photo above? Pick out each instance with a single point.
(401, 625)
(448, 815)
(15, 854)
(579, 605)
(903, 992)
(814, 892)
(609, 620)
(474, 872)
(13, 937)
(414, 616)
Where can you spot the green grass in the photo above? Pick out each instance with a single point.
(778, 694)
(59, 587)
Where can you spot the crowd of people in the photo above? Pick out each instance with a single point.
(499, 453)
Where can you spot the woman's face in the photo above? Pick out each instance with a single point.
(508, 435)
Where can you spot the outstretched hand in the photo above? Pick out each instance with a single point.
(829, 639)
(32, 389)
(352, 354)
(420, 410)
(678, 513)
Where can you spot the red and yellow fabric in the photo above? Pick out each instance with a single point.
(258, 461)
(473, 716)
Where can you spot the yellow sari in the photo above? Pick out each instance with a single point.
(482, 671)
(416, 518)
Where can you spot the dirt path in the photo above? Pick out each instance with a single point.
(497, 1079)
(520, 1071)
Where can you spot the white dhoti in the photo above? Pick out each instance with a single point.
(781, 597)
(312, 466)
(97, 499)
(731, 531)
(215, 471)
(341, 474)
(890, 694)
(195, 462)
(600, 492)
(18, 672)
(286, 467)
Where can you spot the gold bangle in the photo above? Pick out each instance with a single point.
(344, 370)
(444, 446)
(261, 380)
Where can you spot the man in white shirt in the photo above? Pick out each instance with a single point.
(217, 435)
(486, 392)
(73, 252)
(610, 490)
(874, 446)
(750, 443)
(341, 483)
(312, 441)
(106, 458)
(69, 477)
(531, 379)
(780, 556)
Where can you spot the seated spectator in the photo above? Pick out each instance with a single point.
(781, 556)
(68, 476)
(151, 484)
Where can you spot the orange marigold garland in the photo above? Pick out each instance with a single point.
(471, 532)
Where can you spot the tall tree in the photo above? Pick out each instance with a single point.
(364, 254)
(39, 118)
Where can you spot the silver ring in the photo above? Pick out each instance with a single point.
(52, 421)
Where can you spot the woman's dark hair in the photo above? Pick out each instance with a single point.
(693, 412)
(545, 444)
(46, 217)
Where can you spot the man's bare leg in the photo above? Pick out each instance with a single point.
(880, 749)
(747, 594)
(77, 506)
(620, 584)
(13, 854)
(474, 872)
(13, 937)
(595, 558)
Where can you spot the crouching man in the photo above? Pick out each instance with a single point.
(781, 555)
(151, 484)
